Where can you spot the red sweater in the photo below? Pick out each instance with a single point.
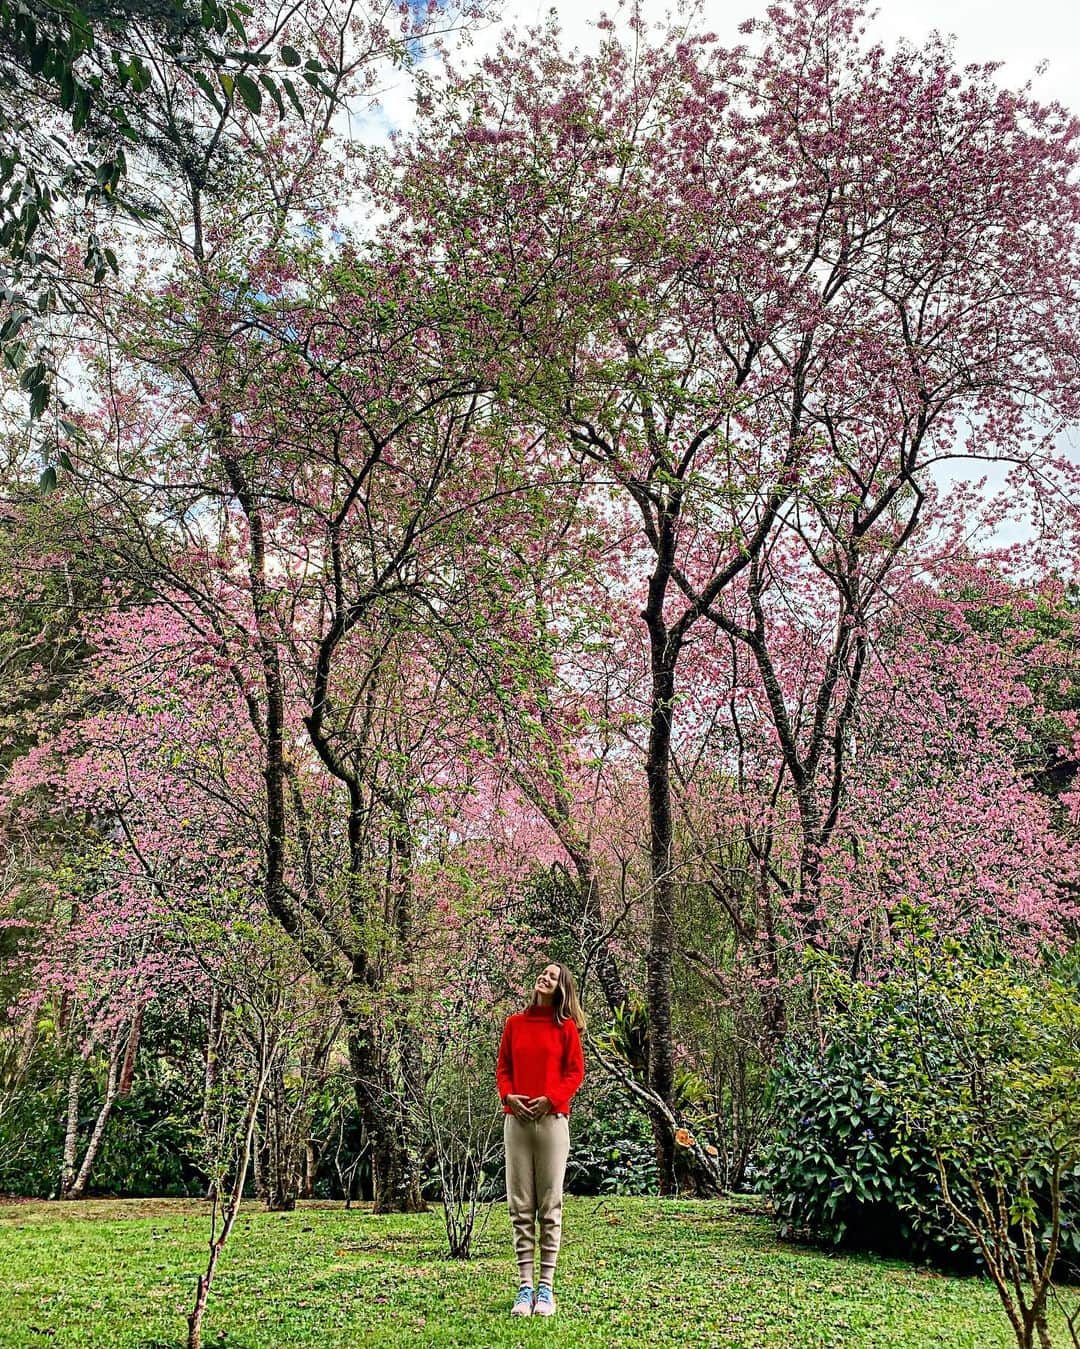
(539, 1058)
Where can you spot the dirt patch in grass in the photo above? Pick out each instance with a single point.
(19, 1212)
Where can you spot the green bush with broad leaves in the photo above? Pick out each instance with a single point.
(984, 1067)
(879, 1142)
(839, 1167)
(148, 1143)
(612, 1148)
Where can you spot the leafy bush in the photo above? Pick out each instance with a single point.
(148, 1144)
(613, 1150)
(839, 1169)
(32, 1137)
(854, 1161)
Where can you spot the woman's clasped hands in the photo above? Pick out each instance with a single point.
(529, 1107)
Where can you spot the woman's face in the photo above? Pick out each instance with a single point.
(547, 981)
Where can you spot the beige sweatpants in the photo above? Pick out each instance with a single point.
(536, 1153)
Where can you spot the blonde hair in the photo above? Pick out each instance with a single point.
(565, 1002)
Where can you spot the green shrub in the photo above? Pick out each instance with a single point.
(838, 1169)
(852, 1160)
(148, 1147)
(32, 1139)
(612, 1150)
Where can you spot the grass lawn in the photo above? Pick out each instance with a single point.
(633, 1271)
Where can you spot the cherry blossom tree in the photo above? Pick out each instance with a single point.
(225, 517)
(579, 533)
(760, 293)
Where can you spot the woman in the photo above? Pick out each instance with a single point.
(540, 1067)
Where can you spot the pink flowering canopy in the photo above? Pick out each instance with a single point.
(579, 539)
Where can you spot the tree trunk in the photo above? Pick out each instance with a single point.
(202, 1294)
(680, 1170)
(311, 1169)
(230, 1209)
(775, 1007)
(661, 1069)
(1042, 1329)
(212, 1071)
(127, 1070)
(395, 1178)
(282, 1158)
(71, 1130)
(395, 1171)
(77, 1189)
(410, 1055)
(258, 1169)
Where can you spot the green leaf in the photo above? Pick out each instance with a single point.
(40, 53)
(47, 481)
(290, 55)
(14, 354)
(67, 89)
(271, 88)
(250, 93)
(208, 89)
(81, 111)
(11, 326)
(33, 375)
(140, 74)
(215, 19)
(294, 97)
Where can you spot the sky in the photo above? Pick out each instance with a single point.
(1022, 34)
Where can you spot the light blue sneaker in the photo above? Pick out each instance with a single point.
(523, 1303)
(545, 1301)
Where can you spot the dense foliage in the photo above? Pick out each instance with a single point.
(529, 538)
(840, 1168)
(928, 1100)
